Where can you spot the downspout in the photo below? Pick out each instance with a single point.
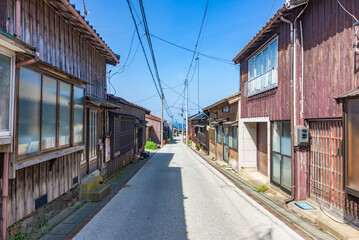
(30, 61)
(5, 193)
(17, 18)
(292, 43)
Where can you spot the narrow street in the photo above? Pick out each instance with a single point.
(177, 195)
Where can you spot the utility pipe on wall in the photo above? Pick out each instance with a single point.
(17, 18)
(5, 193)
(30, 61)
(292, 42)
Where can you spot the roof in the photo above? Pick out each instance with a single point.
(100, 102)
(351, 93)
(116, 99)
(197, 116)
(73, 17)
(229, 98)
(267, 29)
(154, 117)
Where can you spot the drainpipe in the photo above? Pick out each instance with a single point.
(17, 18)
(292, 124)
(30, 61)
(5, 192)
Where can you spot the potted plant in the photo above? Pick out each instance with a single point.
(197, 146)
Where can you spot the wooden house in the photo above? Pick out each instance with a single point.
(223, 132)
(127, 132)
(299, 72)
(53, 92)
(197, 130)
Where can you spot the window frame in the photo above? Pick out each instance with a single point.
(11, 55)
(221, 139)
(232, 130)
(58, 79)
(349, 190)
(226, 106)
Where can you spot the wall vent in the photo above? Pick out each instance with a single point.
(40, 201)
(75, 181)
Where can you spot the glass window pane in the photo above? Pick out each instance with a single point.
(352, 107)
(65, 108)
(274, 54)
(276, 136)
(78, 114)
(265, 60)
(231, 137)
(49, 95)
(226, 131)
(251, 69)
(285, 143)
(286, 173)
(276, 168)
(29, 111)
(258, 64)
(235, 141)
(5, 74)
(220, 134)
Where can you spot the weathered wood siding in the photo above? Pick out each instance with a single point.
(36, 180)
(274, 103)
(330, 64)
(59, 44)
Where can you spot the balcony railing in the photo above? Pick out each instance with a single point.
(261, 83)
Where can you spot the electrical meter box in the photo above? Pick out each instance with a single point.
(302, 136)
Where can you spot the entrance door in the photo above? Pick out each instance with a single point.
(225, 144)
(281, 157)
(262, 152)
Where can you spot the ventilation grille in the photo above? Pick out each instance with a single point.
(40, 201)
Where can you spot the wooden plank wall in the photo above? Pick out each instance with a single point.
(62, 48)
(273, 103)
(331, 67)
(36, 180)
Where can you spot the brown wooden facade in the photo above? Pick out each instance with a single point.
(52, 41)
(223, 134)
(325, 66)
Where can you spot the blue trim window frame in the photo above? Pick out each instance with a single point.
(262, 69)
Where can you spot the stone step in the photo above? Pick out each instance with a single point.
(88, 184)
(98, 193)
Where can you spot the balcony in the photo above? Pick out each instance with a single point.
(261, 83)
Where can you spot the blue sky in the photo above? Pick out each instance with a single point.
(229, 26)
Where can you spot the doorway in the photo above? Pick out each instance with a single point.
(262, 151)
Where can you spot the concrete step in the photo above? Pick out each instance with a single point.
(88, 184)
(98, 193)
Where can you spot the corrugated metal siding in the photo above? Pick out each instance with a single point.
(331, 66)
(273, 103)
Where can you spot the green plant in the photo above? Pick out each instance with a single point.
(189, 142)
(16, 234)
(169, 139)
(197, 145)
(262, 188)
(150, 145)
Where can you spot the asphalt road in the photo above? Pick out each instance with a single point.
(177, 195)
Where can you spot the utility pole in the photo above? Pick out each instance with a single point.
(161, 120)
(172, 128)
(182, 123)
(199, 110)
(186, 111)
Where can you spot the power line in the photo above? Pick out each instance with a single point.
(189, 50)
(271, 9)
(146, 98)
(143, 48)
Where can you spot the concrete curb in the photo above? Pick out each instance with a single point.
(304, 228)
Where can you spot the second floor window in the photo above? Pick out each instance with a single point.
(225, 109)
(263, 69)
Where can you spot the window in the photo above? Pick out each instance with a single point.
(220, 134)
(225, 109)
(234, 137)
(263, 70)
(45, 106)
(351, 146)
(92, 141)
(29, 111)
(226, 135)
(78, 114)
(49, 103)
(64, 119)
(6, 81)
